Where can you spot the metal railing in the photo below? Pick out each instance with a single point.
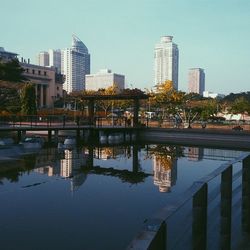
(171, 123)
(51, 121)
(42, 121)
(156, 231)
(121, 121)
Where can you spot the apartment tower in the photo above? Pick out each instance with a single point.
(196, 81)
(75, 65)
(43, 59)
(55, 59)
(166, 61)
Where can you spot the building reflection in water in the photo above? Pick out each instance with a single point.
(164, 164)
(195, 154)
(68, 167)
(76, 164)
(165, 172)
(198, 154)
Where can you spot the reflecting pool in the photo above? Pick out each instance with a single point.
(94, 197)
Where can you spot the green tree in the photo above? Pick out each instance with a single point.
(240, 105)
(28, 99)
(10, 96)
(208, 108)
(11, 71)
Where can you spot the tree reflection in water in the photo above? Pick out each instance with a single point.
(124, 175)
(12, 170)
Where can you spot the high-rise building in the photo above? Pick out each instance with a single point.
(196, 81)
(104, 79)
(43, 59)
(55, 59)
(75, 65)
(51, 58)
(166, 61)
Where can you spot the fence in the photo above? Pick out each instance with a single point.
(171, 123)
(63, 121)
(121, 121)
(210, 213)
(44, 121)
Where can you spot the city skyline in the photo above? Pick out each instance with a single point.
(121, 35)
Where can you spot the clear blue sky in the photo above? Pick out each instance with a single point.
(121, 35)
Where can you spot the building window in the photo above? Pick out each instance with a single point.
(27, 70)
(45, 73)
(33, 71)
(39, 72)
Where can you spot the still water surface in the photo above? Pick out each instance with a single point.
(70, 200)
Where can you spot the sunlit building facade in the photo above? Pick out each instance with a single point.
(196, 81)
(55, 59)
(166, 61)
(43, 59)
(48, 83)
(75, 65)
(104, 79)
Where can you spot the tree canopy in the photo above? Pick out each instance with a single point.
(11, 71)
(28, 99)
(240, 105)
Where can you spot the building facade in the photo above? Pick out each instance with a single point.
(166, 61)
(49, 87)
(104, 79)
(43, 59)
(55, 59)
(48, 83)
(196, 81)
(213, 95)
(75, 65)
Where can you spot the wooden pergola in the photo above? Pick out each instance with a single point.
(136, 103)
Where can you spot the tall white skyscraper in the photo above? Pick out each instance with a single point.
(43, 58)
(55, 59)
(75, 65)
(166, 61)
(196, 81)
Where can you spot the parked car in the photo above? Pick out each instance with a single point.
(238, 128)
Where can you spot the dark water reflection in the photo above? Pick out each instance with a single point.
(94, 198)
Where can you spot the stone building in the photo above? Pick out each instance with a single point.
(49, 84)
